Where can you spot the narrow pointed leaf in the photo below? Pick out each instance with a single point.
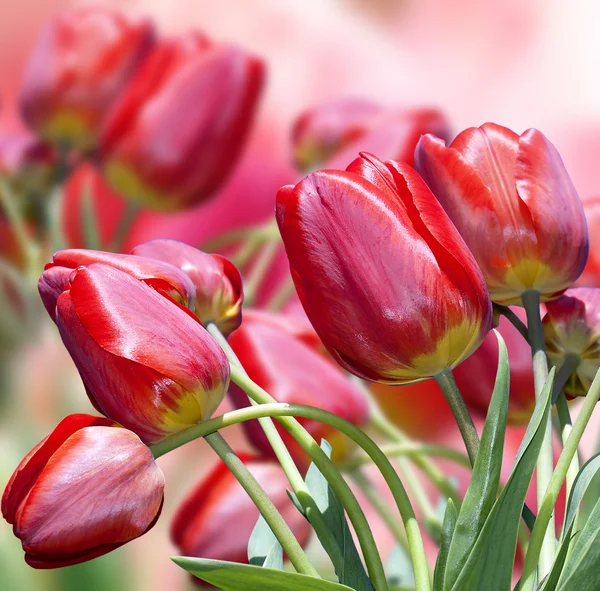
(263, 546)
(449, 523)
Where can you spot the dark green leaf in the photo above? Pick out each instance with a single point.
(263, 547)
(339, 545)
(490, 564)
(399, 568)
(481, 494)
(448, 525)
(581, 570)
(232, 576)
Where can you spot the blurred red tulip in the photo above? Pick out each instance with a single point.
(86, 489)
(333, 133)
(291, 371)
(515, 205)
(383, 275)
(572, 328)
(202, 525)
(146, 362)
(161, 276)
(218, 283)
(591, 273)
(82, 62)
(178, 130)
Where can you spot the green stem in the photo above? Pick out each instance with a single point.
(228, 238)
(259, 270)
(460, 411)
(383, 510)
(246, 251)
(125, 223)
(569, 365)
(282, 295)
(513, 319)
(546, 509)
(412, 450)
(545, 463)
(264, 504)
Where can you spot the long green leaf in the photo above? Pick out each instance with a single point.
(232, 576)
(448, 526)
(481, 494)
(489, 565)
(263, 547)
(344, 555)
(581, 571)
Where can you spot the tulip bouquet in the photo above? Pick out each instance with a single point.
(404, 254)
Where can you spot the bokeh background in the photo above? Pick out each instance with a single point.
(520, 64)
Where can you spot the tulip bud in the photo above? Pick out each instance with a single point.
(82, 61)
(514, 204)
(202, 525)
(146, 362)
(333, 133)
(26, 164)
(86, 489)
(591, 274)
(178, 130)
(218, 283)
(163, 277)
(572, 329)
(384, 277)
(293, 372)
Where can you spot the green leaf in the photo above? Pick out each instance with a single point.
(581, 569)
(448, 526)
(490, 563)
(481, 494)
(399, 569)
(340, 545)
(263, 547)
(232, 576)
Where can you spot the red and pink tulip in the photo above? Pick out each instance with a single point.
(86, 489)
(383, 275)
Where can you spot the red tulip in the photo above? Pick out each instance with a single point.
(218, 283)
(163, 277)
(333, 133)
(177, 132)
(572, 328)
(86, 489)
(514, 204)
(146, 362)
(81, 63)
(383, 275)
(591, 273)
(293, 372)
(217, 517)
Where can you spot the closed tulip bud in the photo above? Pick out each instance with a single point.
(86, 489)
(202, 525)
(26, 164)
(293, 372)
(384, 277)
(177, 132)
(146, 362)
(514, 204)
(218, 283)
(163, 277)
(572, 329)
(82, 61)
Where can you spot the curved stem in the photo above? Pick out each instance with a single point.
(546, 510)
(513, 319)
(545, 463)
(278, 526)
(460, 411)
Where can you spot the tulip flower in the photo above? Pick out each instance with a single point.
(293, 372)
(80, 65)
(572, 329)
(384, 277)
(591, 274)
(146, 362)
(177, 132)
(163, 277)
(333, 133)
(202, 524)
(218, 283)
(86, 489)
(514, 204)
